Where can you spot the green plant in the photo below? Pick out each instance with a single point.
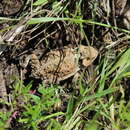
(38, 108)
(4, 118)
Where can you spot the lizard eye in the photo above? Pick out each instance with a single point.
(88, 58)
(82, 55)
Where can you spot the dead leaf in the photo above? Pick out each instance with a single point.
(120, 6)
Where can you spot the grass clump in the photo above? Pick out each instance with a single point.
(98, 99)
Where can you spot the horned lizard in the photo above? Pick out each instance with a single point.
(59, 65)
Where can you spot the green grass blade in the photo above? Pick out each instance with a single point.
(100, 94)
(121, 62)
(50, 19)
(70, 108)
(39, 2)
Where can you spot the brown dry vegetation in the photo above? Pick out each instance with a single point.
(101, 24)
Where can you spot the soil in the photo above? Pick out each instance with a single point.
(10, 7)
(40, 40)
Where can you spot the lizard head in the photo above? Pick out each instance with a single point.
(88, 54)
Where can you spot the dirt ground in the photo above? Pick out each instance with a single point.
(18, 40)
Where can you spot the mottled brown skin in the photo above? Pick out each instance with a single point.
(59, 65)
